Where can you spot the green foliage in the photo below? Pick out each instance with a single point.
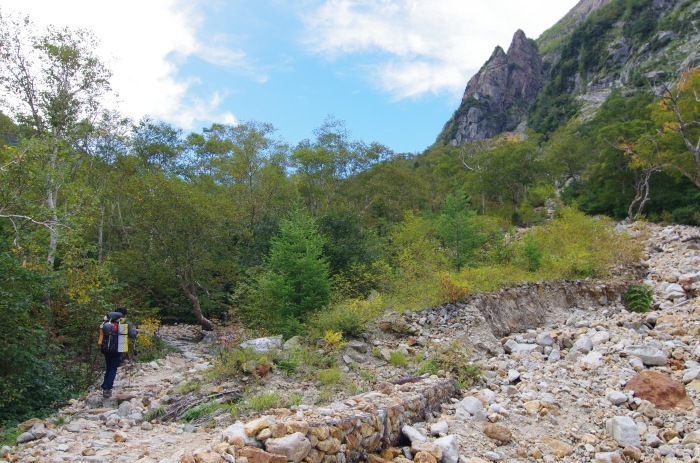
(296, 281)
(348, 317)
(460, 230)
(188, 386)
(453, 359)
(532, 254)
(201, 410)
(429, 366)
(330, 376)
(155, 413)
(579, 246)
(398, 358)
(638, 298)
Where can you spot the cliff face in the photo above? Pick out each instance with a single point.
(598, 46)
(498, 97)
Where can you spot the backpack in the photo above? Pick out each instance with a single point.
(114, 334)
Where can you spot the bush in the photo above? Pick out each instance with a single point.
(398, 359)
(638, 298)
(348, 318)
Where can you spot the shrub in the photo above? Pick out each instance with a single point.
(154, 414)
(348, 318)
(398, 359)
(149, 346)
(333, 339)
(330, 376)
(638, 298)
(431, 366)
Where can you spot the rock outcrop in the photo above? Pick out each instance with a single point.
(498, 97)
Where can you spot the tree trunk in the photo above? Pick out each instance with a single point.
(100, 232)
(53, 230)
(196, 307)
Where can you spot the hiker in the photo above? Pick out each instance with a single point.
(115, 335)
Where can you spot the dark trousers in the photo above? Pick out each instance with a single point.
(112, 361)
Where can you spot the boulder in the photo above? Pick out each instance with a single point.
(650, 355)
(293, 446)
(262, 345)
(450, 448)
(664, 392)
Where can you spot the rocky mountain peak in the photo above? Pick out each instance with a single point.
(498, 96)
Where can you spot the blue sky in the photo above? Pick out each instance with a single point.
(393, 70)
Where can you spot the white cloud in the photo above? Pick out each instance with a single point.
(435, 45)
(144, 42)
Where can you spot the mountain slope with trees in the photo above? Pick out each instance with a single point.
(233, 225)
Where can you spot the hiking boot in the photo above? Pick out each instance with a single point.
(107, 393)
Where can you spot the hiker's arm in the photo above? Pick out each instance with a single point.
(132, 331)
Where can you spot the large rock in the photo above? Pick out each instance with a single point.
(293, 446)
(450, 448)
(624, 430)
(236, 435)
(262, 345)
(498, 97)
(664, 392)
(650, 355)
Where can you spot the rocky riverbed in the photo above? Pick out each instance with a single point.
(585, 381)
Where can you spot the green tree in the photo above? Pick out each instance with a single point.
(54, 84)
(296, 281)
(509, 168)
(458, 229)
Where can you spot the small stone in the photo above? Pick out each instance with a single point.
(412, 434)
(119, 437)
(617, 397)
(624, 430)
(633, 453)
(608, 457)
(559, 448)
(252, 428)
(498, 432)
(427, 447)
(691, 438)
(438, 428)
(207, 457)
(424, 457)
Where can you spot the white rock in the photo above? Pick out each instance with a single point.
(544, 339)
(438, 428)
(592, 360)
(450, 448)
(413, 434)
(237, 429)
(471, 405)
(691, 375)
(649, 355)
(624, 430)
(674, 291)
(513, 376)
(617, 397)
(600, 337)
(583, 344)
(262, 345)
